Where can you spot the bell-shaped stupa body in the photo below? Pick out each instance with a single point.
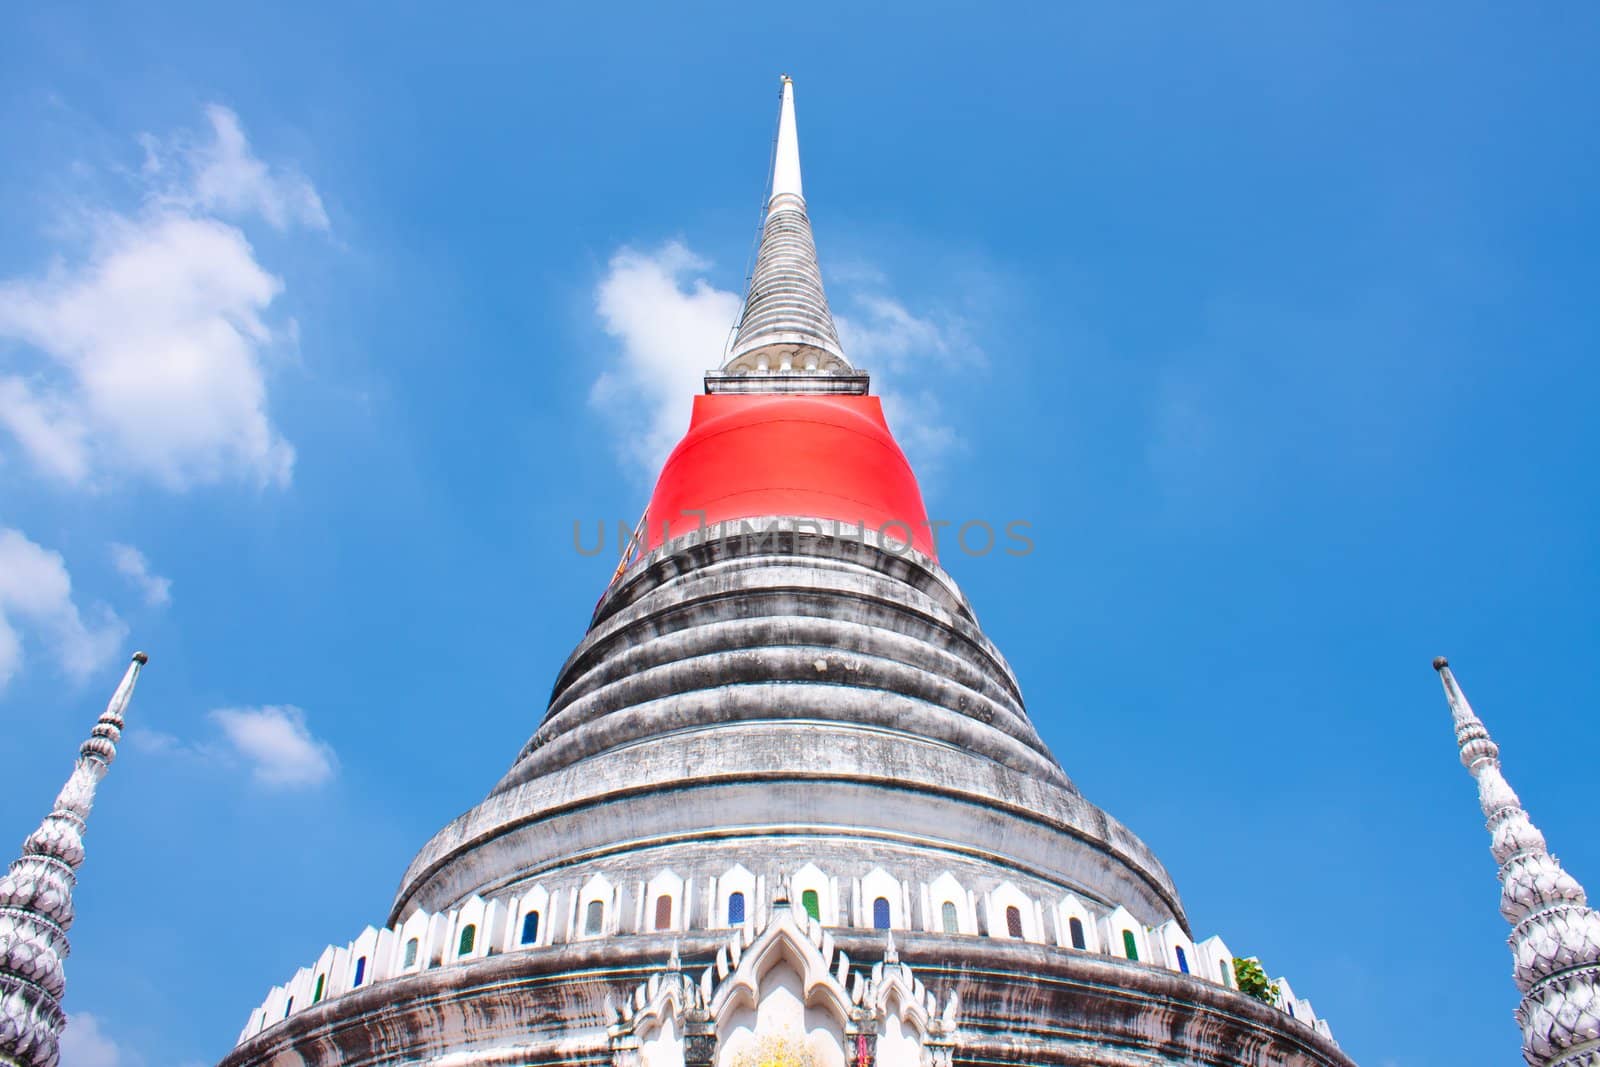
(786, 803)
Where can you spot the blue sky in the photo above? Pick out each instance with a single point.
(319, 328)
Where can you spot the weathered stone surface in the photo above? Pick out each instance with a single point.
(730, 661)
(745, 710)
(1018, 1004)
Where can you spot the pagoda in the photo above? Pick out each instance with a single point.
(786, 803)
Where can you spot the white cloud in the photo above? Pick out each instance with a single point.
(47, 427)
(84, 1044)
(35, 588)
(673, 326)
(160, 743)
(276, 743)
(272, 742)
(881, 332)
(919, 424)
(881, 335)
(145, 356)
(130, 563)
(228, 178)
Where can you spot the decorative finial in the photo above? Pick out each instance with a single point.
(1555, 936)
(36, 899)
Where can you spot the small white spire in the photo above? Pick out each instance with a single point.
(786, 340)
(786, 162)
(36, 899)
(1555, 936)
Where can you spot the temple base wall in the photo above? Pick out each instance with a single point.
(1018, 1003)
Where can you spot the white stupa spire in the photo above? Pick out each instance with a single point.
(1555, 936)
(36, 900)
(786, 340)
(786, 160)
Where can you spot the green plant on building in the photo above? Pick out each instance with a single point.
(1253, 982)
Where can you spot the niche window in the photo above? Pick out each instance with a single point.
(530, 928)
(948, 917)
(322, 981)
(735, 909)
(663, 912)
(1075, 931)
(594, 919)
(1130, 947)
(469, 935)
(411, 953)
(1183, 961)
(361, 971)
(880, 913)
(1013, 922)
(811, 904)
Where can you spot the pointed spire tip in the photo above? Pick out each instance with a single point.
(140, 658)
(786, 331)
(1440, 663)
(786, 158)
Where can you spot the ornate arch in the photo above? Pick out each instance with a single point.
(671, 1020)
